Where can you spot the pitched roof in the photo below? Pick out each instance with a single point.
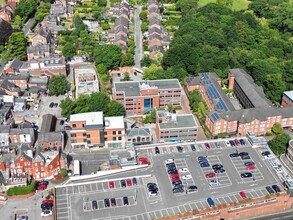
(154, 20)
(49, 137)
(39, 48)
(122, 21)
(153, 30)
(5, 31)
(20, 76)
(16, 64)
(5, 84)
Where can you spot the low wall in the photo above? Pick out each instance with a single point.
(21, 196)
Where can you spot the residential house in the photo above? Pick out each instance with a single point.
(51, 140)
(171, 127)
(22, 136)
(38, 51)
(38, 81)
(7, 10)
(86, 80)
(140, 97)
(139, 136)
(41, 36)
(9, 88)
(13, 66)
(53, 24)
(6, 117)
(5, 30)
(58, 9)
(20, 79)
(287, 99)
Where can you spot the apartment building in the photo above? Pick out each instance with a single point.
(171, 127)
(93, 130)
(140, 97)
(287, 99)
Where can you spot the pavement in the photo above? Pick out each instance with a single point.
(137, 37)
(74, 201)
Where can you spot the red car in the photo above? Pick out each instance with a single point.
(128, 182)
(141, 159)
(41, 186)
(144, 161)
(111, 184)
(243, 196)
(175, 178)
(173, 175)
(250, 167)
(207, 145)
(210, 175)
(237, 142)
(48, 201)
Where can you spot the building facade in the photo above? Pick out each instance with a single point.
(290, 151)
(287, 99)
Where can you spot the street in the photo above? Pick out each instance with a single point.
(137, 37)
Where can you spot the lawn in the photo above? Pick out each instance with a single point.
(237, 4)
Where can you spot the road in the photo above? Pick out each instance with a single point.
(280, 216)
(28, 25)
(137, 37)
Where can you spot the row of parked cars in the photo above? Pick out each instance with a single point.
(242, 155)
(124, 183)
(235, 142)
(46, 207)
(110, 202)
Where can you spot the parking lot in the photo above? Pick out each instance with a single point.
(75, 201)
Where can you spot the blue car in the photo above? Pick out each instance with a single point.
(204, 164)
(211, 202)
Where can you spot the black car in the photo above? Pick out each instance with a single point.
(243, 154)
(242, 142)
(245, 157)
(55, 105)
(175, 183)
(123, 183)
(219, 170)
(217, 166)
(94, 204)
(232, 143)
(46, 206)
(179, 148)
(170, 164)
(178, 190)
(62, 122)
(248, 163)
(113, 202)
(174, 171)
(51, 105)
(152, 186)
(265, 153)
(246, 175)
(193, 147)
(125, 200)
(234, 155)
(157, 150)
(192, 188)
(107, 202)
(270, 190)
(134, 181)
(201, 158)
(276, 188)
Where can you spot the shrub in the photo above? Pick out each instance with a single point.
(63, 172)
(22, 190)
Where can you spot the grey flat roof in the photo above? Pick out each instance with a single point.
(253, 92)
(132, 88)
(182, 121)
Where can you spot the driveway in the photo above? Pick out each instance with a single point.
(137, 37)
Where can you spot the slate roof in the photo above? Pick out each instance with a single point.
(154, 10)
(5, 31)
(252, 91)
(16, 64)
(121, 28)
(154, 20)
(49, 137)
(18, 131)
(122, 21)
(153, 30)
(40, 49)
(4, 129)
(21, 76)
(120, 37)
(5, 84)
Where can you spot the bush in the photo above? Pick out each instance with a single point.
(63, 172)
(22, 190)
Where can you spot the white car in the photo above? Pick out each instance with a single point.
(214, 182)
(46, 213)
(169, 161)
(36, 107)
(187, 177)
(228, 144)
(183, 170)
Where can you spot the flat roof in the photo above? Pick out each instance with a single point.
(182, 121)
(132, 88)
(289, 94)
(114, 122)
(90, 118)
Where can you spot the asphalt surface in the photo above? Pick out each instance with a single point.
(280, 216)
(74, 201)
(137, 37)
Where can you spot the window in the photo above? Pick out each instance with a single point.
(114, 132)
(89, 142)
(42, 168)
(119, 132)
(84, 134)
(114, 138)
(21, 158)
(88, 136)
(73, 141)
(84, 140)
(74, 125)
(83, 125)
(119, 138)
(105, 133)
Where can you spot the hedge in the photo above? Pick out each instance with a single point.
(22, 190)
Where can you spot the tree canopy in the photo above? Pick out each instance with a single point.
(57, 85)
(16, 46)
(279, 143)
(110, 55)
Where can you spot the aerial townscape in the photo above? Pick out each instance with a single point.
(146, 109)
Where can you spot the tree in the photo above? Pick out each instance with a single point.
(279, 143)
(101, 68)
(277, 128)
(26, 8)
(78, 23)
(63, 172)
(57, 85)
(186, 5)
(69, 50)
(146, 61)
(126, 77)
(150, 73)
(109, 55)
(150, 118)
(16, 46)
(68, 107)
(115, 109)
(99, 102)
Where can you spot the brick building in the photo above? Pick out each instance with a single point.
(93, 130)
(171, 127)
(287, 99)
(140, 97)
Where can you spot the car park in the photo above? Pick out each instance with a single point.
(123, 183)
(157, 150)
(179, 148)
(113, 202)
(125, 200)
(128, 182)
(94, 204)
(210, 175)
(243, 195)
(187, 177)
(46, 213)
(270, 190)
(183, 170)
(276, 188)
(192, 188)
(193, 147)
(134, 181)
(111, 184)
(211, 202)
(246, 175)
(107, 202)
(234, 155)
(169, 161)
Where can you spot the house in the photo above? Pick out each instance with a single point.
(13, 66)
(287, 99)
(51, 140)
(5, 30)
(52, 23)
(20, 79)
(139, 136)
(171, 127)
(22, 136)
(140, 97)
(4, 135)
(121, 41)
(7, 10)
(58, 9)
(41, 36)
(9, 88)
(6, 116)
(38, 51)
(38, 81)
(86, 80)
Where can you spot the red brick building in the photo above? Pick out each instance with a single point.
(287, 99)
(141, 97)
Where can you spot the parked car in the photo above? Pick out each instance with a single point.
(193, 147)
(175, 178)
(207, 145)
(134, 181)
(152, 186)
(111, 184)
(221, 170)
(187, 177)
(265, 153)
(61, 122)
(217, 166)
(243, 154)
(123, 183)
(129, 183)
(248, 163)
(179, 148)
(217, 144)
(48, 201)
(210, 175)
(176, 183)
(237, 142)
(107, 202)
(250, 167)
(242, 194)
(55, 105)
(183, 170)
(270, 190)
(113, 202)
(201, 158)
(46, 213)
(242, 142)
(46, 206)
(232, 143)
(246, 175)
(234, 155)
(245, 157)
(41, 186)
(157, 150)
(211, 202)
(125, 200)
(94, 204)
(192, 188)
(178, 190)
(214, 182)
(276, 188)
(228, 144)
(51, 105)
(204, 164)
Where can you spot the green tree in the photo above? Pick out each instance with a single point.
(99, 102)
(69, 50)
(127, 59)
(67, 106)
(146, 61)
(277, 128)
(143, 15)
(126, 77)
(115, 109)
(186, 5)
(150, 118)
(101, 68)
(57, 85)
(63, 172)
(78, 23)
(16, 46)
(26, 8)
(109, 55)
(279, 143)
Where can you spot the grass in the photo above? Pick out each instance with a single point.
(237, 4)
